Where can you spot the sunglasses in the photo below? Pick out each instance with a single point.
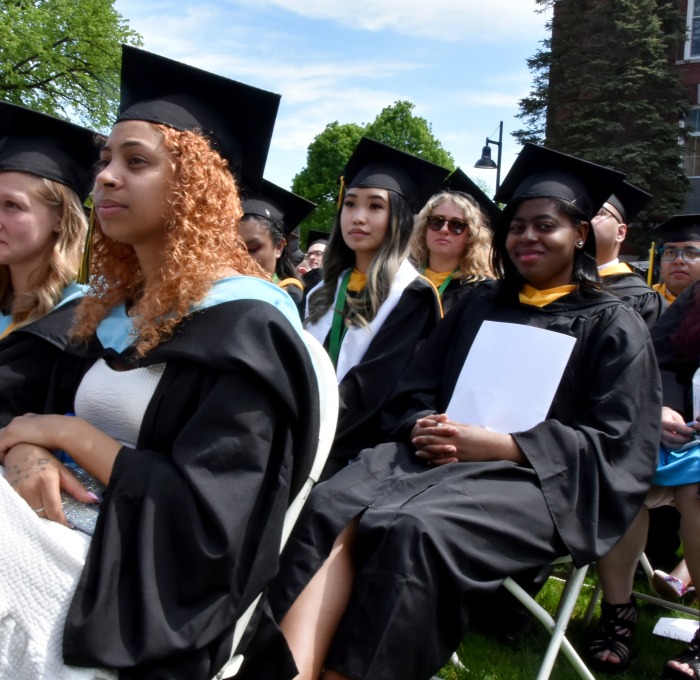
(455, 227)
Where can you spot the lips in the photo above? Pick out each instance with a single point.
(107, 207)
(526, 256)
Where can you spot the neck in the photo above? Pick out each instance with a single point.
(442, 263)
(363, 261)
(21, 277)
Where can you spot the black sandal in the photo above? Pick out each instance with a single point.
(691, 657)
(614, 634)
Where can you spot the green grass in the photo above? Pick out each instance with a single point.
(487, 659)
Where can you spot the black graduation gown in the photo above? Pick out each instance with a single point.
(429, 539)
(189, 529)
(27, 358)
(366, 387)
(676, 373)
(456, 289)
(633, 290)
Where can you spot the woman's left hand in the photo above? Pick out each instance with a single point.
(439, 440)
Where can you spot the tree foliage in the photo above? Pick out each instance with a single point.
(396, 125)
(606, 86)
(63, 57)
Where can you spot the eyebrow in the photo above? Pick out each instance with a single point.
(372, 196)
(126, 144)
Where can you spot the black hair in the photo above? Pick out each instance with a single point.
(284, 268)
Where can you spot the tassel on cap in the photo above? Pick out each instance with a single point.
(342, 191)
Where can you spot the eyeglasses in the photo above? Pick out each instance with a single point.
(689, 253)
(314, 253)
(455, 227)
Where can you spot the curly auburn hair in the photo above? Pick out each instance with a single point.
(475, 262)
(61, 265)
(201, 241)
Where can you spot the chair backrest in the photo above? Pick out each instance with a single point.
(329, 404)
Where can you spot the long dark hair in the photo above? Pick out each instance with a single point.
(585, 272)
(338, 257)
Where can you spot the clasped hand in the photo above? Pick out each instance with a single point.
(439, 440)
(674, 431)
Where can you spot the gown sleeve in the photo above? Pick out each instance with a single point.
(676, 373)
(189, 530)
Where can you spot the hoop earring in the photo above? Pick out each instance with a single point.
(579, 243)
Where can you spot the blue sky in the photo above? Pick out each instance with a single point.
(462, 63)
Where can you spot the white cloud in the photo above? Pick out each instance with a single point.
(451, 20)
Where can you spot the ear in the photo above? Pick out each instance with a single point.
(621, 232)
(280, 247)
(581, 231)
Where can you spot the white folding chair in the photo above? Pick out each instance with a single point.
(328, 403)
(556, 625)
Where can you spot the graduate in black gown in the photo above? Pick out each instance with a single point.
(46, 169)
(194, 396)
(387, 307)
(377, 579)
(451, 241)
(270, 216)
(610, 226)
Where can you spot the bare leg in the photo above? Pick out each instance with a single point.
(616, 573)
(681, 572)
(688, 505)
(311, 621)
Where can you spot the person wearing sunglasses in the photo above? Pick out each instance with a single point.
(679, 255)
(451, 241)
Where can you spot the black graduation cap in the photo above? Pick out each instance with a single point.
(459, 182)
(678, 229)
(628, 200)
(284, 208)
(539, 172)
(316, 236)
(238, 119)
(380, 166)
(48, 147)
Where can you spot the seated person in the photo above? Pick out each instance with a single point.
(194, 396)
(379, 574)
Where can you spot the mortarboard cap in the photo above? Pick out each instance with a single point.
(48, 147)
(628, 200)
(238, 119)
(678, 229)
(380, 166)
(284, 208)
(459, 182)
(539, 172)
(316, 236)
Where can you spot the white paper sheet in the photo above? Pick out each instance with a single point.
(510, 376)
(676, 629)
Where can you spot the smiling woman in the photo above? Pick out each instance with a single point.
(385, 567)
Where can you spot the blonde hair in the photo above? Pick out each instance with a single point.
(61, 266)
(201, 241)
(475, 263)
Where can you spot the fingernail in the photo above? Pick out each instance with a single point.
(94, 497)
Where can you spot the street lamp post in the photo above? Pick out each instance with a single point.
(486, 162)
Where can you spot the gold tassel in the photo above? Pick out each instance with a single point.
(650, 271)
(342, 191)
(84, 271)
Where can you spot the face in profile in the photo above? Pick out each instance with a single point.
(680, 265)
(258, 240)
(28, 226)
(541, 243)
